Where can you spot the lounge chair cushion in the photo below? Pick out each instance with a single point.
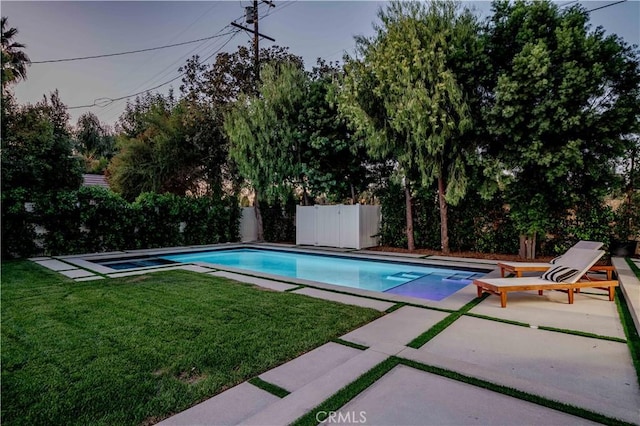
(559, 274)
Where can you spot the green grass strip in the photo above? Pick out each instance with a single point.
(502, 320)
(422, 339)
(350, 344)
(633, 339)
(515, 393)
(633, 267)
(395, 307)
(583, 334)
(269, 387)
(347, 393)
(546, 328)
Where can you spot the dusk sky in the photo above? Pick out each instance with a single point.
(311, 29)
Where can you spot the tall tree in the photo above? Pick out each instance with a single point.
(14, 60)
(405, 96)
(264, 133)
(563, 95)
(335, 162)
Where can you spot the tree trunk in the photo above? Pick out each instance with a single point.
(409, 204)
(353, 194)
(256, 204)
(527, 246)
(444, 228)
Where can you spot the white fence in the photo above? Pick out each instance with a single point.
(338, 226)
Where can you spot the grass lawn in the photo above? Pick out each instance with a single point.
(135, 350)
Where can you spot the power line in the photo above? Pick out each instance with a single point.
(112, 106)
(605, 6)
(103, 102)
(169, 69)
(129, 52)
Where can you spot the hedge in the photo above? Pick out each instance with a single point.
(94, 219)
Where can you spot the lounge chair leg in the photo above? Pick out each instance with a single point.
(570, 293)
(540, 292)
(611, 294)
(479, 291)
(503, 299)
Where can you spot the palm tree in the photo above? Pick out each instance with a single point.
(14, 60)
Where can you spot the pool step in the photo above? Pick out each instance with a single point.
(406, 276)
(463, 276)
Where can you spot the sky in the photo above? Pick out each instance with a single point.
(311, 29)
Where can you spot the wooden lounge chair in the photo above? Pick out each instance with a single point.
(517, 268)
(568, 275)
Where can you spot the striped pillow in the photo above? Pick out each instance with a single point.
(555, 259)
(559, 274)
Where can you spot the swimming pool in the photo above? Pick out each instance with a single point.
(432, 283)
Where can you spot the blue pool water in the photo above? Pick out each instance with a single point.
(390, 277)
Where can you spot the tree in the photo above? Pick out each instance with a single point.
(335, 162)
(264, 136)
(160, 158)
(405, 96)
(37, 151)
(93, 138)
(14, 60)
(562, 96)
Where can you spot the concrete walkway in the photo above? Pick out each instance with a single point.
(595, 374)
(588, 365)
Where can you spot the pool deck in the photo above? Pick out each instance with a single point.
(489, 365)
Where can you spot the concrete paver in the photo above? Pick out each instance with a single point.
(95, 267)
(483, 262)
(192, 268)
(585, 370)
(77, 273)
(298, 403)
(306, 368)
(55, 265)
(591, 313)
(92, 278)
(590, 373)
(378, 305)
(196, 268)
(260, 282)
(397, 328)
(228, 408)
(406, 396)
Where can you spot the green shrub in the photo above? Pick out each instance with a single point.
(94, 219)
(18, 231)
(278, 221)
(108, 219)
(474, 225)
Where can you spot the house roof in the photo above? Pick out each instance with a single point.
(94, 180)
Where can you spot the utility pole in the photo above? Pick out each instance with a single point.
(252, 17)
(256, 48)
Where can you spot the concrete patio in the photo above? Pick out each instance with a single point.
(539, 346)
